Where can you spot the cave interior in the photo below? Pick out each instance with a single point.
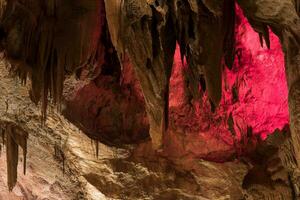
(150, 99)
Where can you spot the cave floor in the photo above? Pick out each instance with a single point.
(62, 163)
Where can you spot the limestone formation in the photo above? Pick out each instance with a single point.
(98, 40)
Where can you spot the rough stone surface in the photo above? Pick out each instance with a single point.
(62, 163)
(248, 99)
(247, 103)
(108, 109)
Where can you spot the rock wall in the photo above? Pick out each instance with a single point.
(108, 108)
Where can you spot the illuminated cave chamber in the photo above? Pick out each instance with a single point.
(174, 92)
(254, 103)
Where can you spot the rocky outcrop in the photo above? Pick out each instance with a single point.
(62, 163)
(272, 168)
(109, 108)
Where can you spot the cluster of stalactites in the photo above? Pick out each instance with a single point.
(13, 136)
(206, 35)
(46, 40)
(148, 31)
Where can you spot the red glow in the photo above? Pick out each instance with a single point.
(261, 86)
(263, 91)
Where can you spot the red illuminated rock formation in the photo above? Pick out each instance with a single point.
(248, 99)
(248, 104)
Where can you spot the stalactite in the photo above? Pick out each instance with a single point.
(195, 22)
(20, 136)
(262, 30)
(229, 41)
(63, 161)
(12, 159)
(230, 124)
(97, 148)
(151, 55)
(1, 144)
(15, 137)
(95, 144)
(3, 135)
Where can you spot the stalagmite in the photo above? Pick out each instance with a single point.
(20, 136)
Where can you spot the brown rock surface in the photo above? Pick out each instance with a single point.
(114, 175)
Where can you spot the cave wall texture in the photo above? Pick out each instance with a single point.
(200, 76)
(247, 102)
(201, 64)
